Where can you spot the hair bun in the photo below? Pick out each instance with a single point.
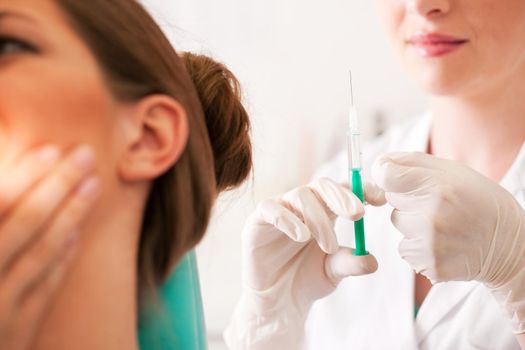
(227, 121)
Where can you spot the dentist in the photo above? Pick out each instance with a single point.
(448, 246)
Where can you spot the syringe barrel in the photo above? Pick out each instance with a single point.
(354, 149)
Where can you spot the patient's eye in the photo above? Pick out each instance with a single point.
(12, 46)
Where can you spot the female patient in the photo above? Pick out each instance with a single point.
(112, 158)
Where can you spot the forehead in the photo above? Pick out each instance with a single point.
(35, 10)
(42, 15)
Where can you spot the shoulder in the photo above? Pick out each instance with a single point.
(411, 135)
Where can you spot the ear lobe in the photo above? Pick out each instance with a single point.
(160, 135)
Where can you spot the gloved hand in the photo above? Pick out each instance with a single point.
(457, 225)
(291, 258)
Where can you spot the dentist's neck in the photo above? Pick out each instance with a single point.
(485, 130)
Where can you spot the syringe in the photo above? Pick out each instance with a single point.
(354, 170)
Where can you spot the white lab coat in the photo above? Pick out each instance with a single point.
(377, 311)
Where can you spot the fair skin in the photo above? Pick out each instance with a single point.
(52, 91)
(37, 242)
(477, 91)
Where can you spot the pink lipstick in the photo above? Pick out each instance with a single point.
(434, 44)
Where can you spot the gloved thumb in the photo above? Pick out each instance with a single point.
(344, 263)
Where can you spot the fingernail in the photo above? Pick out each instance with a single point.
(84, 157)
(90, 188)
(48, 154)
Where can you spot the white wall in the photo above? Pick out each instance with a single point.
(292, 58)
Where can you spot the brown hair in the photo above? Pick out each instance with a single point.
(138, 60)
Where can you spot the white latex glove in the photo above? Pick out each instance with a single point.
(457, 225)
(291, 258)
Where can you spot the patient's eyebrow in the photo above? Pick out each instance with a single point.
(13, 14)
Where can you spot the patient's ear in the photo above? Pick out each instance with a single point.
(155, 137)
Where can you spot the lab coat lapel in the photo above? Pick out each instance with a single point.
(402, 310)
(441, 299)
(395, 304)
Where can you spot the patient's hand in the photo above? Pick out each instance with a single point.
(43, 200)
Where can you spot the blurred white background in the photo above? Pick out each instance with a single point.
(292, 58)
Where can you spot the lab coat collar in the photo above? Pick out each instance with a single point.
(417, 140)
(514, 179)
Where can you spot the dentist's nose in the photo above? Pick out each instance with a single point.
(428, 8)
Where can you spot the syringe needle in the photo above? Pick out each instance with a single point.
(351, 90)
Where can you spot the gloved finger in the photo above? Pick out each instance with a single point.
(269, 212)
(339, 199)
(315, 216)
(374, 194)
(419, 202)
(394, 177)
(410, 224)
(419, 159)
(344, 264)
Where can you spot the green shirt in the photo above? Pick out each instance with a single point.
(176, 321)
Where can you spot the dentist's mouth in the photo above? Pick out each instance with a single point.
(434, 44)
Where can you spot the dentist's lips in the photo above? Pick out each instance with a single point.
(434, 45)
